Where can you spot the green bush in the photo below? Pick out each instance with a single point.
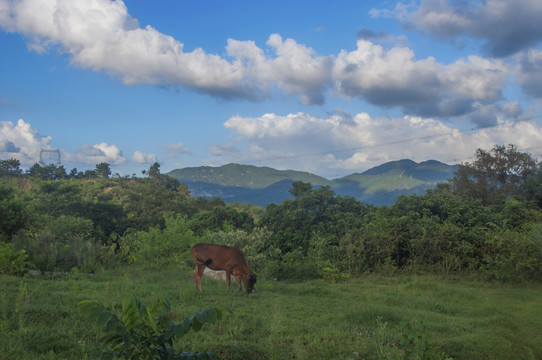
(12, 261)
(147, 333)
(254, 245)
(294, 265)
(157, 248)
(516, 255)
(60, 244)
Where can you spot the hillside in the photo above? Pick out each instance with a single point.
(380, 185)
(246, 176)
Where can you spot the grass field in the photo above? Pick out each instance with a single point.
(373, 317)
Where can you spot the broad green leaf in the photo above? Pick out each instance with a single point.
(103, 318)
(152, 323)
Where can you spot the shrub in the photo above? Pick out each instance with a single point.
(516, 255)
(157, 248)
(253, 244)
(294, 265)
(12, 261)
(60, 244)
(143, 333)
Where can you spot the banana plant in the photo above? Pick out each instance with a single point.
(147, 333)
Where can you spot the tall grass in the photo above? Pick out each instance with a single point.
(373, 317)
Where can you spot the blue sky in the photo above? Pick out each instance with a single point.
(327, 87)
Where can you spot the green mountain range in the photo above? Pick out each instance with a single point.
(380, 185)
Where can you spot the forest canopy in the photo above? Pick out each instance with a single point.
(486, 220)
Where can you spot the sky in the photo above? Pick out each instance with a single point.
(331, 88)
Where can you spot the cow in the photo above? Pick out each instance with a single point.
(220, 257)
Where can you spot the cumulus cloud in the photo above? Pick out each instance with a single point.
(102, 36)
(422, 87)
(140, 157)
(292, 133)
(342, 143)
(98, 153)
(219, 150)
(505, 26)
(299, 71)
(296, 69)
(22, 142)
(173, 150)
(529, 73)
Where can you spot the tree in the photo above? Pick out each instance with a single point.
(533, 187)
(499, 173)
(300, 188)
(11, 167)
(12, 211)
(48, 172)
(154, 171)
(103, 170)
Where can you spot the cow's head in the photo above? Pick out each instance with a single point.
(250, 282)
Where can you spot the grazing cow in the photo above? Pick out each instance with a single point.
(219, 257)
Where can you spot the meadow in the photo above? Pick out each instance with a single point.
(367, 317)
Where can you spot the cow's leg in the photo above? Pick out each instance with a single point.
(228, 277)
(239, 281)
(197, 276)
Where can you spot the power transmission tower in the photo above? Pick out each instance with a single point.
(51, 153)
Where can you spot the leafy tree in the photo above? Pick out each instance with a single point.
(75, 174)
(533, 188)
(12, 261)
(499, 173)
(221, 218)
(154, 171)
(300, 188)
(48, 172)
(103, 170)
(12, 211)
(294, 222)
(11, 167)
(90, 174)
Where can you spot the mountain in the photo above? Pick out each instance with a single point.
(380, 185)
(246, 176)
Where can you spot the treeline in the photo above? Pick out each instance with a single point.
(486, 220)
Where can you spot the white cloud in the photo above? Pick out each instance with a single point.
(219, 150)
(420, 87)
(21, 141)
(175, 149)
(102, 36)
(143, 158)
(296, 68)
(529, 73)
(505, 26)
(98, 153)
(341, 143)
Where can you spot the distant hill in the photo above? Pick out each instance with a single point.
(246, 176)
(380, 185)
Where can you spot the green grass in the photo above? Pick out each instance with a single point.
(365, 318)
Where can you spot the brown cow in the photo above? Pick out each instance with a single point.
(219, 257)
